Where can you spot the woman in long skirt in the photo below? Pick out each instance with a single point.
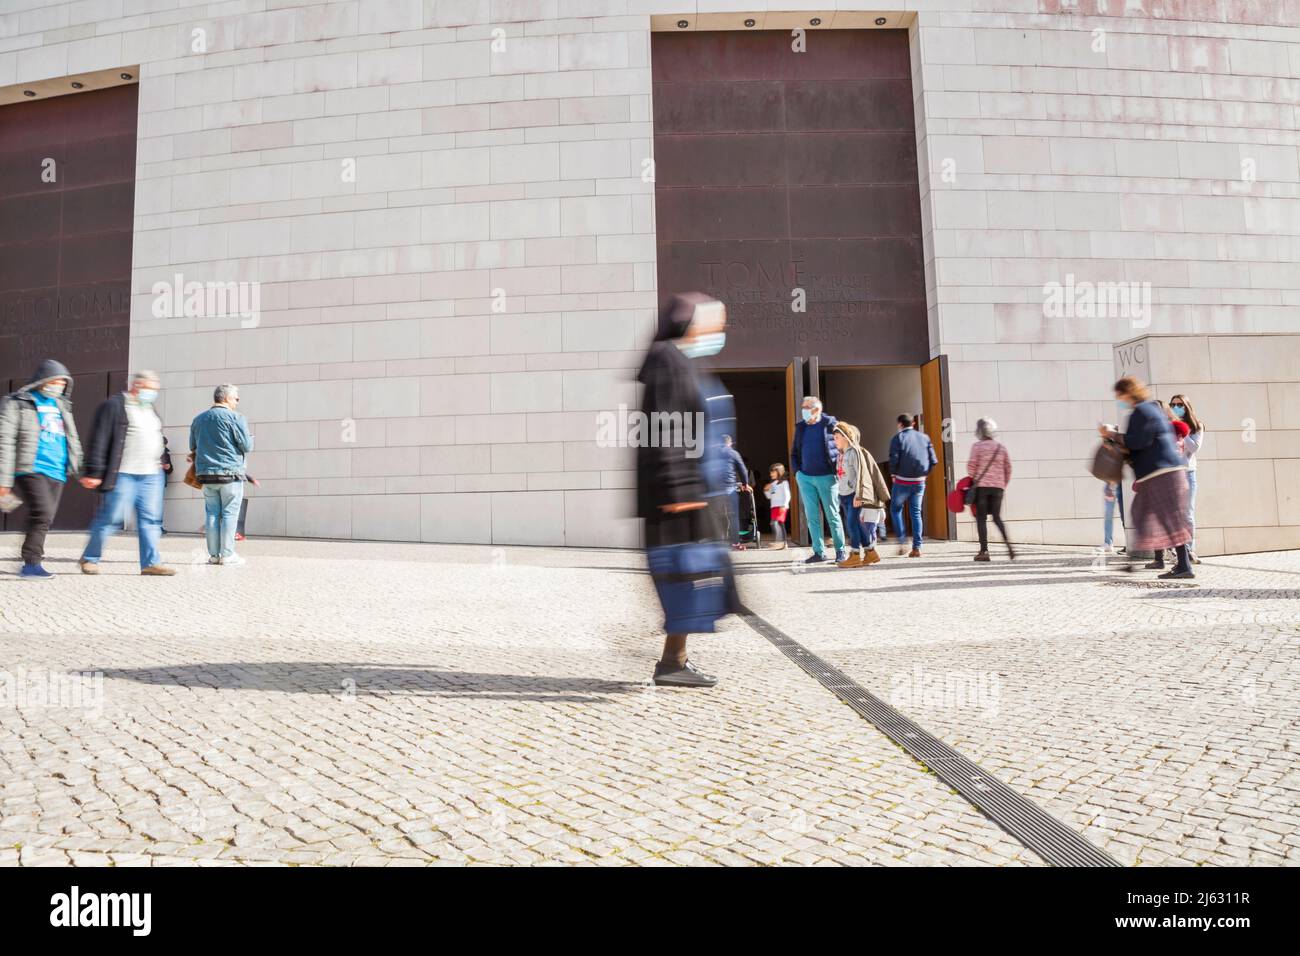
(1159, 505)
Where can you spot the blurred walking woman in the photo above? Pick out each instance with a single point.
(688, 563)
(1160, 487)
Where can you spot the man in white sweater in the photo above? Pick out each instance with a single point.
(124, 464)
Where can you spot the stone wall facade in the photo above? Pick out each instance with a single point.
(444, 206)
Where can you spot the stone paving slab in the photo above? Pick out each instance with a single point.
(346, 703)
(1160, 721)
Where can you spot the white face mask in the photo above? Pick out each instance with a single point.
(701, 346)
(53, 389)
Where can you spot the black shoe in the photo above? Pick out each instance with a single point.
(1011, 554)
(1176, 574)
(688, 675)
(983, 556)
(815, 559)
(1155, 565)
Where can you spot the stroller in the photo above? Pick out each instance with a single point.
(749, 534)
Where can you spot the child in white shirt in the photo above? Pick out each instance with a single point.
(778, 495)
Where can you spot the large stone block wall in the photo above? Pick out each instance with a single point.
(1115, 142)
(1246, 391)
(390, 399)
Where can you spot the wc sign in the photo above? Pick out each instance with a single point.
(1131, 359)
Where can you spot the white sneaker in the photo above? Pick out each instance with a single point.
(232, 560)
(1106, 549)
(214, 560)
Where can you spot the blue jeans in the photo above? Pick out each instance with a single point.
(1108, 522)
(221, 516)
(857, 539)
(818, 492)
(1191, 508)
(911, 495)
(145, 494)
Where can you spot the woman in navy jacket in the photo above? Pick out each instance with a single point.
(1160, 487)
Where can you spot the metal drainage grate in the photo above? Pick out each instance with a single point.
(1037, 829)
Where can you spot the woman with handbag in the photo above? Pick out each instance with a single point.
(990, 470)
(1159, 507)
(688, 563)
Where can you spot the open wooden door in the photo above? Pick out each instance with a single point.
(794, 394)
(936, 421)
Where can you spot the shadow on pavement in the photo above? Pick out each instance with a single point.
(345, 680)
(1242, 594)
(947, 584)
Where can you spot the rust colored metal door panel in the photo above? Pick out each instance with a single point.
(67, 198)
(842, 157)
(786, 184)
(854, 212)
(938, 521)
(710, 107)
(794, 379)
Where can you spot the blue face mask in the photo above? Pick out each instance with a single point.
(807, 414)
(147, 396)
(705, 345)
(1179, 411)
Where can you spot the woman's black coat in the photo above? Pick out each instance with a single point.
(671, 473)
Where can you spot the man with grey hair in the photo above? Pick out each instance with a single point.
(814, 460)
(219, 442)
(124, 464)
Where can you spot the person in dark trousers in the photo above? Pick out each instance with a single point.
(1159, 504)
(990, 470)
(167, 468)
(124, 464)
(1180, 409)
(688, 564)
(39, 452)
(911, 458)
(735, 480)
(243, 509)
(815, 460)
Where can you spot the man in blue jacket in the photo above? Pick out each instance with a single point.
(219, 440)
(911, 457)
(813, 459)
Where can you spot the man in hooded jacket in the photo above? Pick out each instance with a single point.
(39, 452)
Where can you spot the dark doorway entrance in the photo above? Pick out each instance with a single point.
(870, 397)
(760, 396)
(67, 203)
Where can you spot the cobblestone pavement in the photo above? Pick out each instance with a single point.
(1159, 719)
(355, 703)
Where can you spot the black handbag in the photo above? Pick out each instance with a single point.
(970, 492)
